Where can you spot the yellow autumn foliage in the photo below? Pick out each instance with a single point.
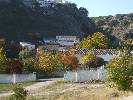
(48, 62)
(98, 40)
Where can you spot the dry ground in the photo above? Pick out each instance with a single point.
(76, 91)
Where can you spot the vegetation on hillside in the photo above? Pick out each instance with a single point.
(19, 22)
(120, 25)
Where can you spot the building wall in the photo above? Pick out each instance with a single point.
(106, 57)
(67, 40)
(47, 2)
(27, 45)
(51, 47)
(86, 75)
(66, 43)
(15, 78)
(73, 38)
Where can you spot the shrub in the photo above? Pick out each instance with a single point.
(28, 65)
(92, 60)
(27, 58)
(3, 61)
(19, 93)
(120, 71)
(70, 61)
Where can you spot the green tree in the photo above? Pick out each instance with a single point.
(120, 71)
(98, 40)
(3, 61)
(28, 60)
(23, 54)
(29, 65)
(83, 11)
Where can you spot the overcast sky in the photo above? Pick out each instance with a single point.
(106, 7)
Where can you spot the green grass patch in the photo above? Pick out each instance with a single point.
(8, 87)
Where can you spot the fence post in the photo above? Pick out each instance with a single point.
(14, 78)
(98, 74)
(76, 76)
(34, 74)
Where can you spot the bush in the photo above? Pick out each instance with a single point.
(70, 61)
(19, 93)
(28, 60)
(120, 72)
(92, 60)
(28, 65)
(3, 61)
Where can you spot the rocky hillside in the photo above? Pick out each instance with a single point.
(120, 25)
(18, 22)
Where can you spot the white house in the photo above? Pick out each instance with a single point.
(67, 40)
(50, 41)
(44, 3)
(27, 45)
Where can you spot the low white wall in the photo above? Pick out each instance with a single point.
(86, 75)
(15, 78)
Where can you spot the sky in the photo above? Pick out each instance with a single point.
(105, 7)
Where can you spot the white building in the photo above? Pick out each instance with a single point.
(29, 46)
(50, 41)
(44, 3)
(67, 40)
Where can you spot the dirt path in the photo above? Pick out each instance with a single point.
(128, 98)
(62, 88)
(35, 86)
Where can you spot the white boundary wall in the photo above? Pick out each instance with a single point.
(15, 78)
(86, 75)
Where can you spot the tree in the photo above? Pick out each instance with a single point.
(83, 11)
(98, 40)
(23, 54)
(15, 66)
(28, 65)
(66, 18)
(47, 62)
(120, 71)
(70, 61)
(28, 60)
(3, 61)
(92, 60)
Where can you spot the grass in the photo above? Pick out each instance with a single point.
(8, 87)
